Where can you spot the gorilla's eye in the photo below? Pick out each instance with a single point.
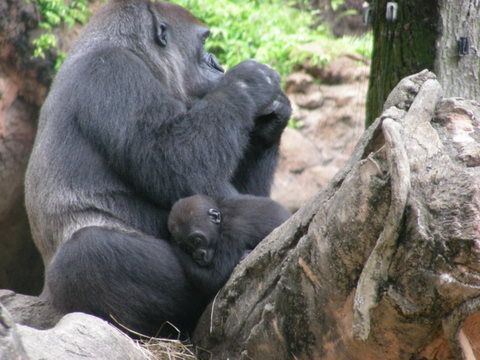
(215, 216)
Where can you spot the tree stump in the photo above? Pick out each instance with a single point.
(383, 263)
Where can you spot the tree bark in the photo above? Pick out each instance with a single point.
(400, 48)
(425, 35)
(459, 74)
(383, 262)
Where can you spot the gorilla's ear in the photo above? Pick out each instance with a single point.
(161, 35)
(159, 28)
(215, 216)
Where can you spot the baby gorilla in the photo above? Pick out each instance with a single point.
(213, 236)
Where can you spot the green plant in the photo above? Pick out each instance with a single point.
(55, 13)
(43, 43)
(295, 123)
(269, 31)
(272, 32)
(335, 4)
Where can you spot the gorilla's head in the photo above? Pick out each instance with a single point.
(168, 38)
(195, 225)
(181, 38)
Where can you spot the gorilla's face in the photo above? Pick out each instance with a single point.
(208, 72)
(181, 38)
(199, 243)
(195, 225)
(197, 235)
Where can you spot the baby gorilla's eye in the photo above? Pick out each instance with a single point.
(215, 216)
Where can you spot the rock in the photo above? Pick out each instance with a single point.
(311, 100)
(10, 343)
(293, 191)
(21, 94)
(29, 310)
(30, 330)
(297, 152)
(332, 119)
(314, 48)
(344, 69)
(79, 336)
(20, 265)
(298, 82)
(293, 185)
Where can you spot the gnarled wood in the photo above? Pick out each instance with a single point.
(383, 262)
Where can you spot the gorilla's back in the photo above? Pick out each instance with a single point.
(68, 184)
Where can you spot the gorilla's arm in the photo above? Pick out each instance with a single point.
(255, 171)
(153, 141)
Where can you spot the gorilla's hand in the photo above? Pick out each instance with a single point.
(270, 124)
(259, 82)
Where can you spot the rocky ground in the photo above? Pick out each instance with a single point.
(329, 109)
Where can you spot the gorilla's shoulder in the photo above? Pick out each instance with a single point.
(105, 60)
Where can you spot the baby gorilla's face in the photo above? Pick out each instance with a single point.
(199, 246)
(194, 224)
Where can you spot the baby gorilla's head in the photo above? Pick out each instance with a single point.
(194, 223)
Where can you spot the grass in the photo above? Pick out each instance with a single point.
(167, 349)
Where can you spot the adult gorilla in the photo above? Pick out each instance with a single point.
(139, 116)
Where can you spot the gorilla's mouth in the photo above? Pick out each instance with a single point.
(202, 257)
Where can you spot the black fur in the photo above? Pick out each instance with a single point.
(139, 116)
(124, 265)
(209, 246)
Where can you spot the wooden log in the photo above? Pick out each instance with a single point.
(383, 263)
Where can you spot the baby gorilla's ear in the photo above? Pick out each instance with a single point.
(215, 216)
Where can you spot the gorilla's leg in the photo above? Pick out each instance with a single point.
(135, 280)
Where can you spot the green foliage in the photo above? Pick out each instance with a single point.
(55, 13)
(295, 123)
(43, 43)
(272, 32)
(335, 4)
(269, 31)
(61, 55)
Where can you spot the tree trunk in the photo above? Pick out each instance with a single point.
(383, 262)
(400, 48)
(459, 75)
(425, 35)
